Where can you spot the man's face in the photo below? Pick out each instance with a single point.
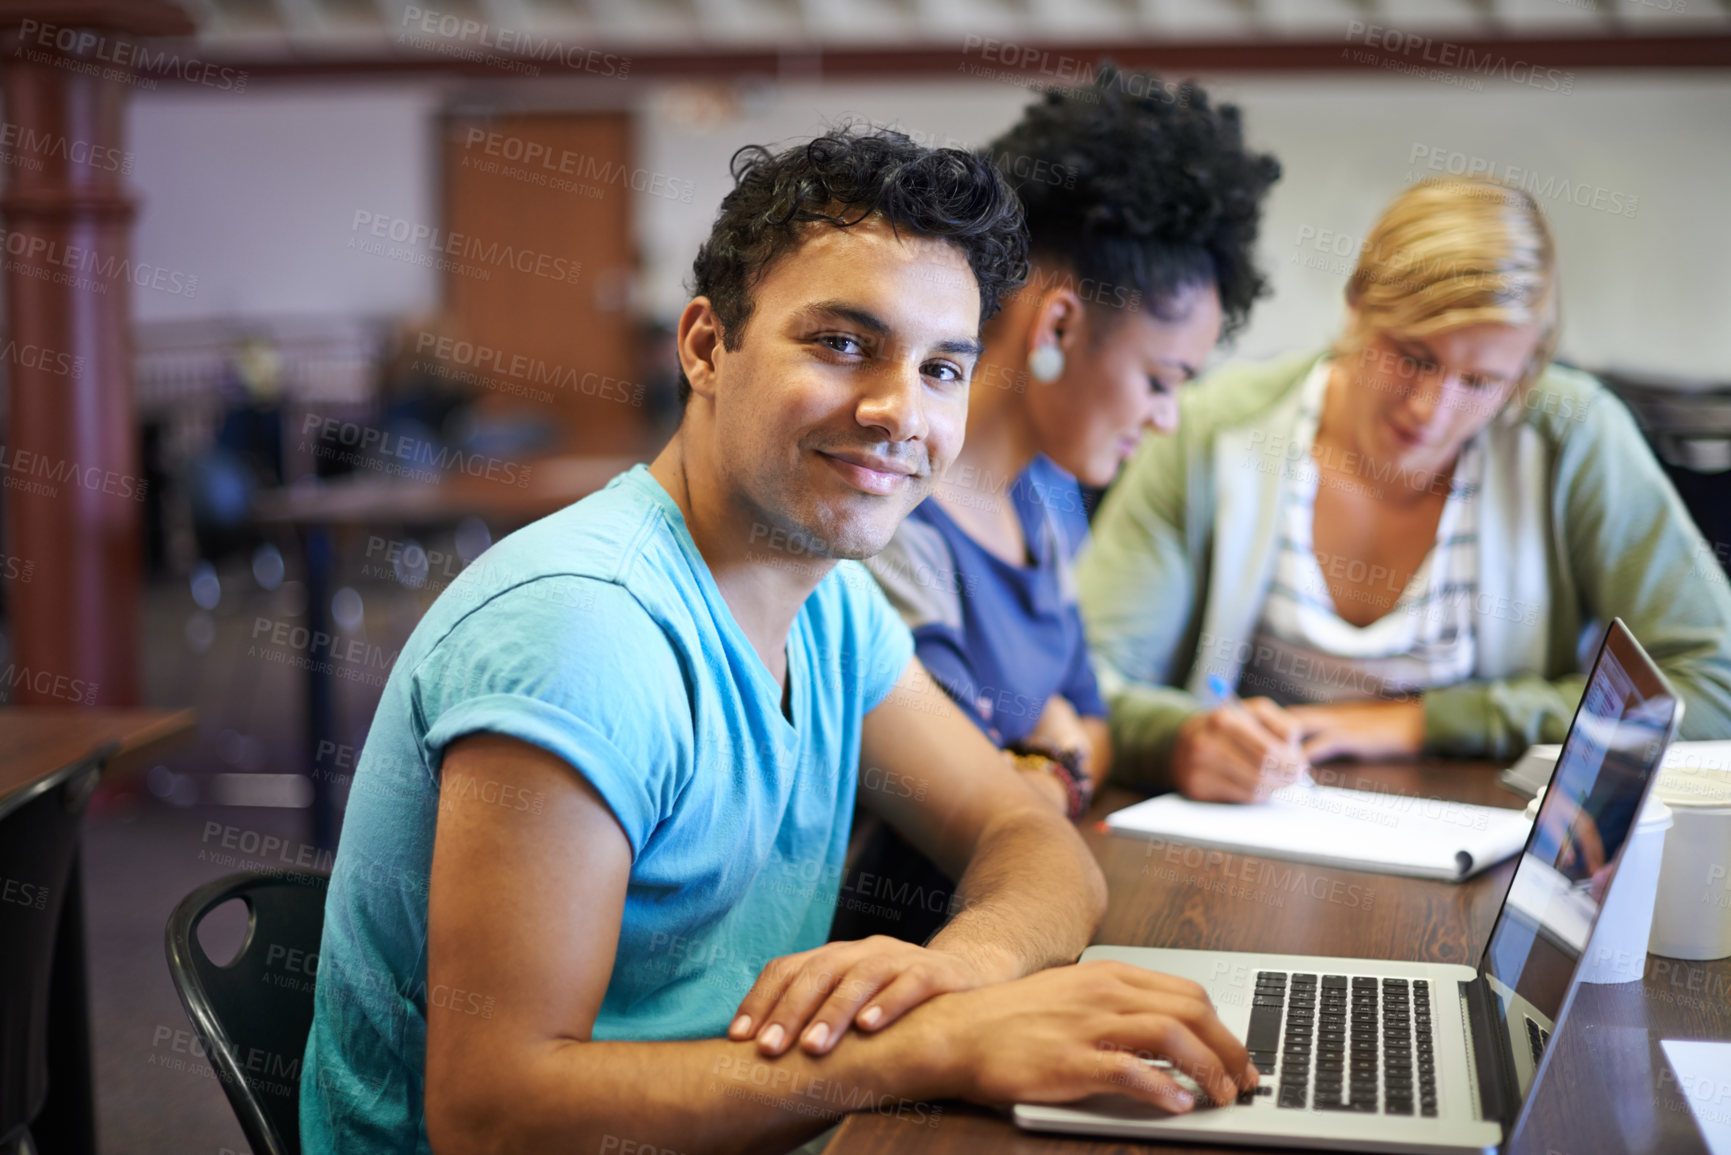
(848, 392)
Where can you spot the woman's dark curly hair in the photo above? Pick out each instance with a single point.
(842, 178)
(1141, 188)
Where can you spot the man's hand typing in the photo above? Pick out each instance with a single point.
(1069, 1032)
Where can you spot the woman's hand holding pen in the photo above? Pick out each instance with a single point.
(1238, 752)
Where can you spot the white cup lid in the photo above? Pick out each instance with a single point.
(1694, 787)
(1654, 813)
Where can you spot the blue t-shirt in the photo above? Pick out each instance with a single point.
(1001, 638)
(598, 634)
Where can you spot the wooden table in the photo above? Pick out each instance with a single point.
(1609, 1087)
(40, 748)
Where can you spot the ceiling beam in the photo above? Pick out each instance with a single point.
(1620, 52)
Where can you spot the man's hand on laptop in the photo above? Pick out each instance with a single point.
(817, 995)
(1055, 1036)
(1064, 1034)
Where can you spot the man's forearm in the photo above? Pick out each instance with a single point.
(1031, 898)
(705, 1095)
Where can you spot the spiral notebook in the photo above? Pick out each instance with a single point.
(1355, 829)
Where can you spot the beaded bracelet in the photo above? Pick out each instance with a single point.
(1066, 767)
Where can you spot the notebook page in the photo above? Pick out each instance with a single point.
(1359, 829)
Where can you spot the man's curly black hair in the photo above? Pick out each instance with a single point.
(844, 177)
(1143, 188)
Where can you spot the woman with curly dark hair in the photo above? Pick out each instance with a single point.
(1142, 203)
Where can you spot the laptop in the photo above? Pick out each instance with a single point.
(1373, 1055)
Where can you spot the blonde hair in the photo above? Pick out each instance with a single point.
(1456, 251)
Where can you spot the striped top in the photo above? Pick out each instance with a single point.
(1304, 651)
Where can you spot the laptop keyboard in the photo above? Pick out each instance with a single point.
(1341, 1044)
(1537, 1037)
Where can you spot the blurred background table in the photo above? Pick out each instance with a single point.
(1609, 1089)
(317, 511)
(41, 745)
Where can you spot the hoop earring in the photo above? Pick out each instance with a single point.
(1046, 363)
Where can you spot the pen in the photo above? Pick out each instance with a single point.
(1226, 696)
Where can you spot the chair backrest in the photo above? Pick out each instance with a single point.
(38, 843)
(254, 1013)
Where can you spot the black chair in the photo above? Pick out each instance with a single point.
(254, 1013)
(38, 852)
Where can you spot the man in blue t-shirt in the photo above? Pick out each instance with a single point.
(596, 835)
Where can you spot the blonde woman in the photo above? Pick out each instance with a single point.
(1408, 543)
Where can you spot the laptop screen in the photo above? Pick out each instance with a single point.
(1595, 795)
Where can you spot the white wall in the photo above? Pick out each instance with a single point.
(256, 194)
(1651, 290)
(1646, 287)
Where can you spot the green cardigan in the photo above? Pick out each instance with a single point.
(1578, 524)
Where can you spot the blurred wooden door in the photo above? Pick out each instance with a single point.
(540, 278)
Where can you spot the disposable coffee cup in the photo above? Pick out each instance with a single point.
(1617, 952)
(1692, 919)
